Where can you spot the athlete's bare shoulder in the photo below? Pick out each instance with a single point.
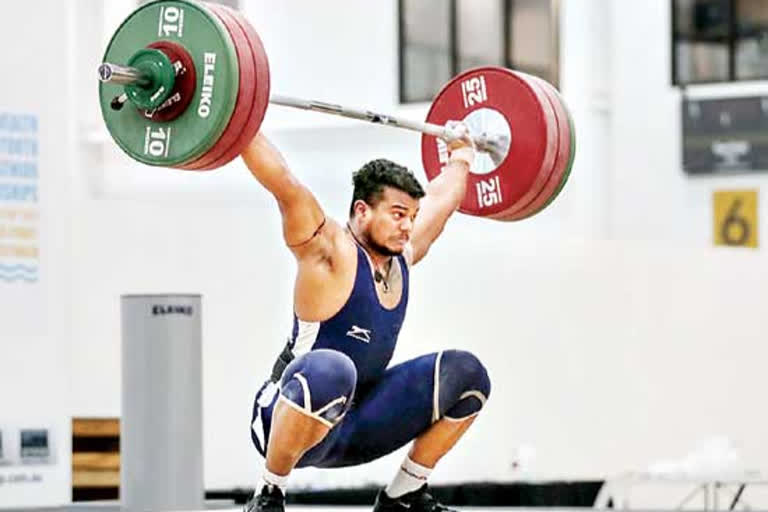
(326, 274)
(329, 247)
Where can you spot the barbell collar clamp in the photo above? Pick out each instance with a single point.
(122, 75)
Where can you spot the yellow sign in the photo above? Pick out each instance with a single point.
(735, 217)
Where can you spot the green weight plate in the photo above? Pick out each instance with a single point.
(245, 95)
(208, 42)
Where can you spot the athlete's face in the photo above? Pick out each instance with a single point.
(387, 227)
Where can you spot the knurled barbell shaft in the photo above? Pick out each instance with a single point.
(483, 142)
(355, 113)
(123, 75)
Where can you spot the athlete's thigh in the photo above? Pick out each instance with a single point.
(394, 411)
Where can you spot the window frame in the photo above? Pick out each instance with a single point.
(506, 43)
(732, 49)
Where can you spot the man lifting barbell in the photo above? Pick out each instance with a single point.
(198, 78)
(331, 401)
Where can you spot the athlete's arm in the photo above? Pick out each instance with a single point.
(443, 197)
(304, 223)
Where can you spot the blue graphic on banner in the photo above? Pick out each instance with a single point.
(10, 273)
(19, 208)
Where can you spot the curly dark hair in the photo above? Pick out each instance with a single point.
(371, 179)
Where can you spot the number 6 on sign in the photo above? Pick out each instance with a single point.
(735, 218)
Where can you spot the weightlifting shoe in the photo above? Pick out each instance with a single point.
(270, 499)
(417, 501)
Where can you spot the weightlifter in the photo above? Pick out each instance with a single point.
(331, 400)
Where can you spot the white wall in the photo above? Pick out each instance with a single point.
(614, 336)
(35, 313)
(651, 197)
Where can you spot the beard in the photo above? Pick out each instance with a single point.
(381, 248)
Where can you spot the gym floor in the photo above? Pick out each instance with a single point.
(291, 508)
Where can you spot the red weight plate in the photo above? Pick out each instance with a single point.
(561, 160)
(183, 87)
(261, 100)
(245, 95)
(562, 169)
(533, 127)
(546, 174)
(572, 155)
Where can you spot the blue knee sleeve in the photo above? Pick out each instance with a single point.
(320, 383)
(463, 383)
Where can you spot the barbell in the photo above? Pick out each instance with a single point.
(195, 77)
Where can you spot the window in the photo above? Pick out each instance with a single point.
(719, 41)
(532, 45)
(751, 46)
(441, 38)
(479, 33)
(426, 55)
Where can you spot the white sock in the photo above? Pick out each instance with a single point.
(410, 477)
(269, 478)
